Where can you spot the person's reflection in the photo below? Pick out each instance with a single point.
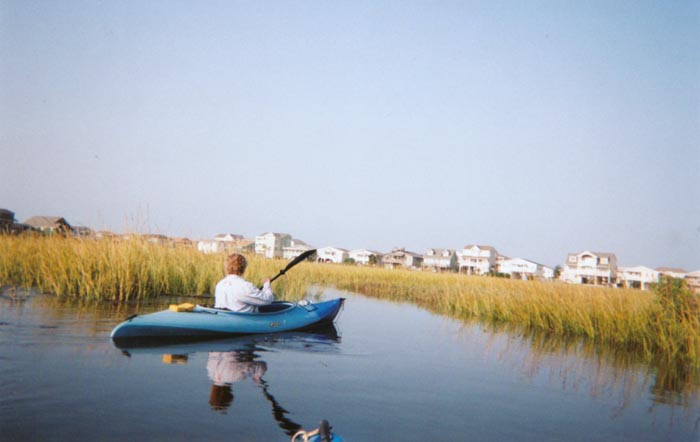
(226, 368)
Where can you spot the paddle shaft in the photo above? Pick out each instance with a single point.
(294, 262)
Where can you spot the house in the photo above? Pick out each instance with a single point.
(7, 219)
(477, 260)
(49, 224)
(400, 257)
(440, 260)
(82, 232)
(331, 255)
(365, 257)
(296, 248)
(519, 268)
(590, 268)
(228, 237)
(270, 245)
(226, 242)
(692, 279)
(672, 272)
(639, 277)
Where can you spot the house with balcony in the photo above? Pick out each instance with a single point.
(639, 277)
(440, 260)
(519, 268)
(296, 248)
(365, 257)
(402, 258)
(476, 259)
(271, 245)
(333, 255)
(590, 268)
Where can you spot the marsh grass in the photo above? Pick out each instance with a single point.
(664, 324)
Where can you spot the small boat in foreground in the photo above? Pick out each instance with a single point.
(211, 322)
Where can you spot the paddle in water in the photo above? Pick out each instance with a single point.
(294, 262)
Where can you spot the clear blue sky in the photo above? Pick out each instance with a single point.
(539, 128)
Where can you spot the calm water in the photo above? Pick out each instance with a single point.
(395, 373)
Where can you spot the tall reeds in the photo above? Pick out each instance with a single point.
(661, 324)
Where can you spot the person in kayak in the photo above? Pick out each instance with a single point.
(235, 293)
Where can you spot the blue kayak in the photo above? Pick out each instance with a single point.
(204, 321)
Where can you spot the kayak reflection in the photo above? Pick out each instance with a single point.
(234, 360)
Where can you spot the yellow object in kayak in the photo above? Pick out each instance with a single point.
(186, 307)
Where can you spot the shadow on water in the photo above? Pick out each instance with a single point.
(234, 360)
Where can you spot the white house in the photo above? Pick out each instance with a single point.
(365, 257)
(519, 268)
(271, 245)
(440, 260)
(398, 258)
(693, 281)
(477, 260)
(296, 248)
(639, 277)
(590, 268)
(224, 242)
(331, 254)
(672, 272)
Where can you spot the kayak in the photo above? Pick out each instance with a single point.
(203, 321)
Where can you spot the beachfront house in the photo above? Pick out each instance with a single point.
(477, 260)
(692, 279)
(334, 255)
(365, 257)
(271, 245)
(226, 242)
(7, 219)
(639, 277)
(672, 272)
(49, 224)
(294, 249)
(402, 258)
(590, 268)
(519, 268)
(440, 260)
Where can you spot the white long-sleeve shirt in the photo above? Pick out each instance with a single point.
(239, 295)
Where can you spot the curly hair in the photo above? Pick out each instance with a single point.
(236, 264)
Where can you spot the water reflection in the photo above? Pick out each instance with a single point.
(235, 360)
(574, 364)
(227, 368)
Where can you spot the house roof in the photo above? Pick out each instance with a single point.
(670, 270)
(469, 246)
(46, 221)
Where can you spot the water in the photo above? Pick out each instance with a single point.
(396, 373)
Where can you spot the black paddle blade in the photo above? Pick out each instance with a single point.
(294, 262)
(299, 259)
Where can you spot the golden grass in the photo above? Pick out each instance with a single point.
(663, 324)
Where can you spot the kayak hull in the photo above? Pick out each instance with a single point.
(210, 322)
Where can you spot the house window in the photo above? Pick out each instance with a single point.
(603, 260)
(572, 259)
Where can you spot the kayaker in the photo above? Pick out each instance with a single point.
(235, 293)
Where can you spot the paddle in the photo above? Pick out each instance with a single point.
(294, 262)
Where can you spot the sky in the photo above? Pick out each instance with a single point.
(540, 128)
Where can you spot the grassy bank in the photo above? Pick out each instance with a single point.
(664, 324)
